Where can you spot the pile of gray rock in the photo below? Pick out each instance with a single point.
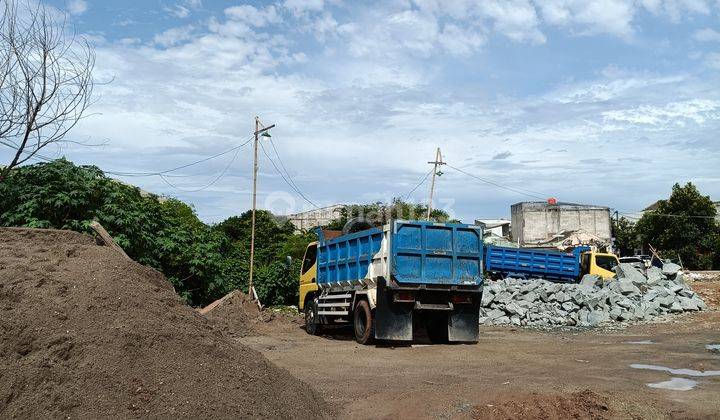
(634, 296)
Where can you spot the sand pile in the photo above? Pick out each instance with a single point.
(86, 333)
(237, 316)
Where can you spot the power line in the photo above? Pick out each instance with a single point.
(487, 181)
(652, 213)
(422, 181)
(224, 171)
(144, 174)
(294, 188)
(282, 164)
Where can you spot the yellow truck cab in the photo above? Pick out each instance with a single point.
(599, 264)
(308, 274)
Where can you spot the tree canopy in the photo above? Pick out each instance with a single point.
(683, 226)
(202, 262)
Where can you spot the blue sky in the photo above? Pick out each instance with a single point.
(602, 102)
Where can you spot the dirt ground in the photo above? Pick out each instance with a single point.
(514, 373)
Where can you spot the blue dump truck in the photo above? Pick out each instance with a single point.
(386, 280)
(548, 264)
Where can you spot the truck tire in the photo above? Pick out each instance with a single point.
(356, 224)
(311, 327)
(363, 323)
(436, 326)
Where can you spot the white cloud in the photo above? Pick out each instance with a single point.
(302, 7)
(515, 19)
(372, 91)
(253, 16)
(173, 36)
(698, 111)
(707, 35)
(459, 41)
(77, 7)
(183, 8)
(712, 60)
(613, 17)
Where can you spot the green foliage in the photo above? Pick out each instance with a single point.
(683, 226)
(626, 236)
(202, 262)
(380, 213)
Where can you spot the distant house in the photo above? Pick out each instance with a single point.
(318, 217)
(538, 222)
(497, 227)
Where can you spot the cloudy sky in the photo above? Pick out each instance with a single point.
(604, 102)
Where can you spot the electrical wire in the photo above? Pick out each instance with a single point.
(422, 181)
(505, 187)
(144, 174)
(224, 171)
(294, 188)
(652, 213)
(282, 165)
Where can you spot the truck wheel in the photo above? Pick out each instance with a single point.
(311, 327)
(364, 323)
(436, 326)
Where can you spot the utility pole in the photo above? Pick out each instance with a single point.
(438, 162)
(264, 133)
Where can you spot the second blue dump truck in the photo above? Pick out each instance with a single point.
(386, 280)
(548, 264)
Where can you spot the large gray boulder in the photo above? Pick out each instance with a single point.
(654, 275)
(670, 269)
(629, 272)
(627, 287)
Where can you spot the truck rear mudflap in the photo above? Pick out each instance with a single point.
(451, 314)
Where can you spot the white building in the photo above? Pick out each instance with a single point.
(538, 222)
(497, 227)
(314, 218)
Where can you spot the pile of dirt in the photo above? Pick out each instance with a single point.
(236, 316)
(577, 405)
(87, 333)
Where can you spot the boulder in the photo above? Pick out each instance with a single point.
(591, 280)
(487, 298)
(670, 269)
(626, 287)
(654, 275)
(629, 272)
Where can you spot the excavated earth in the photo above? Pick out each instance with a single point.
(86, 333)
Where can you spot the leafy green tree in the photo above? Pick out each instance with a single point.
(683, 226)
(626, 237)
(380, 213)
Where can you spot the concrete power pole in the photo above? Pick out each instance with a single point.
(438, 162)
(258, 131)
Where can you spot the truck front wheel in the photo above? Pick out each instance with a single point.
(364, 323)
(311, 327)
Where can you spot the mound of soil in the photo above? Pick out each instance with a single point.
(87, 333)
(237, 316)
(577, 405)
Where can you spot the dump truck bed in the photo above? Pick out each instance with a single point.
(534, 262)
(408, 252)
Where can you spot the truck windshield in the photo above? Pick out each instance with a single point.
(310, 256)
(605, 262)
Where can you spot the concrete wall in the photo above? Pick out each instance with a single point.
(533, 222)
(313, 218)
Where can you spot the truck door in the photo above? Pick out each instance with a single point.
(308, 274)
(604, 265)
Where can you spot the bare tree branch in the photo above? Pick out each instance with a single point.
(46, 82)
